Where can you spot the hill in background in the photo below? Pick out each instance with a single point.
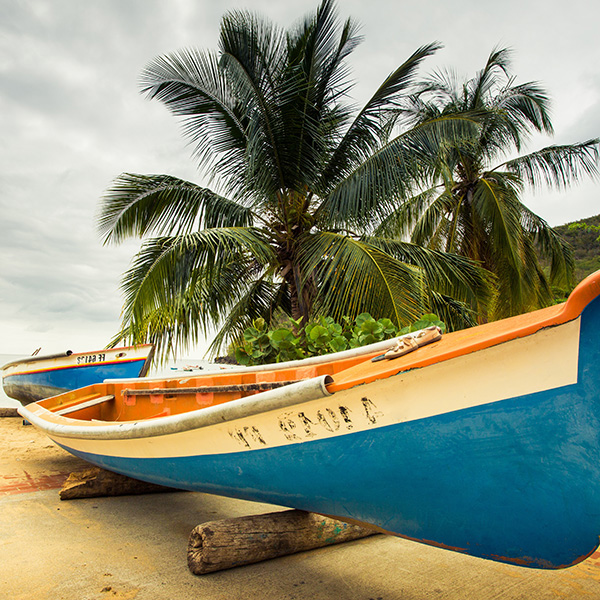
(583, 237)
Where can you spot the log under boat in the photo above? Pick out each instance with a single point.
(486, 441)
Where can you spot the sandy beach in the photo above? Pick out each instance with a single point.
(134, 547)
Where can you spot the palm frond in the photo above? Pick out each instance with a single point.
(190, 314)
(311, 92)
(527, 105)
(172, 328)
(167, 266)
(401, 222)
(137, 205)
(364, 134)
(319, 46)
(445, 273)
(373, 188)
(476, 90)
(552, 247)
(434, 223)
(496, 205)
(453, 313)
(263, 298)
(192, 86)
(558, 166)
(253, 54)
(342, 265)
(181, 287)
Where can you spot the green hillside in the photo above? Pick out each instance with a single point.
(583, 236)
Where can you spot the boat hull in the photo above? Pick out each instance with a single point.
(486, 442)
(492, 453)
(31, 380)
(442, 480)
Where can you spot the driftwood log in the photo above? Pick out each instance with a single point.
(96, 482)
(9, 412)
(218, 545)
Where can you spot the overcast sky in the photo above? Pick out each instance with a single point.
(72, 119)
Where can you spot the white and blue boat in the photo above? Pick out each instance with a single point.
(486, 441)
(35, 377)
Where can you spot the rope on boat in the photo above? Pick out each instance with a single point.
(410, 342)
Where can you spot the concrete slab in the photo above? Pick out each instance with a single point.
(134, 547)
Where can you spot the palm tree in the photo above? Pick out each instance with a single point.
(302, 182)
(473, 207)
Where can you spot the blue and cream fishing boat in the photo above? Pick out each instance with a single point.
(485, 441)
(35, 377)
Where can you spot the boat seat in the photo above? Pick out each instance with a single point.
(82, 405)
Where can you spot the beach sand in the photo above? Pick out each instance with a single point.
(134, 547)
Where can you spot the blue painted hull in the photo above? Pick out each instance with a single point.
(76, 377)
(450, 479)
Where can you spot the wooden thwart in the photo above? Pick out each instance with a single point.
(219, 545)
(96, 482)
(78, 402)
(82, 405)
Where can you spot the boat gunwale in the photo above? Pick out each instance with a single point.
(125, 361)
(361, 351)
(586, 292)
(69, 354)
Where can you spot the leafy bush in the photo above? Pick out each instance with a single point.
(291, 341)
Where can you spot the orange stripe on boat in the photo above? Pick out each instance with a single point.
(470, 340)
(76, 366)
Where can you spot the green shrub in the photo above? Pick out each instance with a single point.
(291, 341)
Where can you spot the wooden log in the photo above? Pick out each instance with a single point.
(9, 412)
(218, 545)
(96, 482)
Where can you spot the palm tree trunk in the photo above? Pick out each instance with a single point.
(301, 296)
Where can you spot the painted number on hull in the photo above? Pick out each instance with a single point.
(91, 358)
(300, 426)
